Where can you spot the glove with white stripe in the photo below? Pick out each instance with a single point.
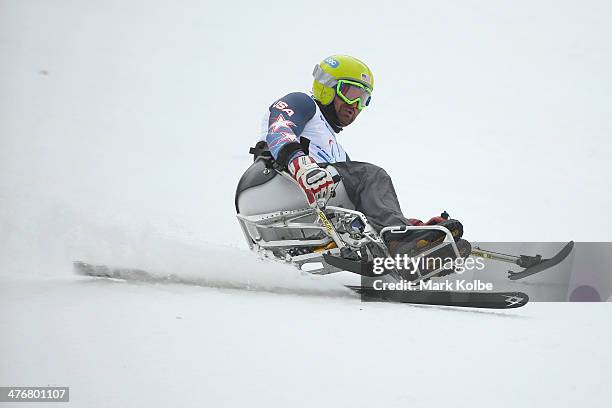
(316, 181)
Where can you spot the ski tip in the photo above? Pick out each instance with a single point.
(517, 299)
(543, 264)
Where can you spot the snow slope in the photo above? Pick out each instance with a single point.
(125, 125)
(119, 344)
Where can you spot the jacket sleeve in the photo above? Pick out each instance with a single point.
(288, 117)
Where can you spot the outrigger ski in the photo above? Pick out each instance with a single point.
(532, 264)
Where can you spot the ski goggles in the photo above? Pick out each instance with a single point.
(351, 92)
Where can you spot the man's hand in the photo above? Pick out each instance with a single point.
(316, 182)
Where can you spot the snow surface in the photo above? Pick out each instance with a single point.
(125, 125)
(119, 344)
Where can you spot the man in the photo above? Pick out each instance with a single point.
(300, 133)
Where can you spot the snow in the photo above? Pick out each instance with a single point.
(121, 344)
(125, 125)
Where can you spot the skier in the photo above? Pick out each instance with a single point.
(300, 130)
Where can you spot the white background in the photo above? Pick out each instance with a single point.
(125, 125)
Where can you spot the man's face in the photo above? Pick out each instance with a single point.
(346, 113)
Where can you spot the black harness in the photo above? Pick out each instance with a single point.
(261, 151)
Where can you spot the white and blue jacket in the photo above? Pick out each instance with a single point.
(291, 119)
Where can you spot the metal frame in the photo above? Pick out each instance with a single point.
(348, 241)
(280, 219)
(284, 219)
(251, 225)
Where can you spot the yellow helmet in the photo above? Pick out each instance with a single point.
(331, 69)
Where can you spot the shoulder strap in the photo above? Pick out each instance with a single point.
(260, 150)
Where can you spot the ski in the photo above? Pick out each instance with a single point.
(532, 264)
(544, 263)
(487, 300)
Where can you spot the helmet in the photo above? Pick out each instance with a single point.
(337, 67)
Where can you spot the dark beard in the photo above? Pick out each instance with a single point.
(330, 115)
